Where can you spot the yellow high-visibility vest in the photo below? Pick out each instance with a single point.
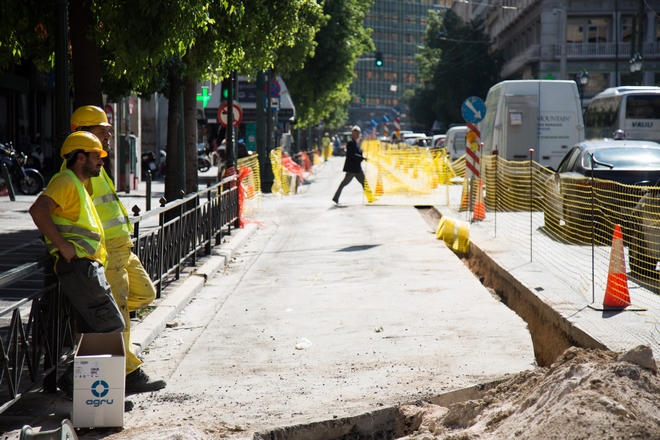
(86, 234)
(111, 211)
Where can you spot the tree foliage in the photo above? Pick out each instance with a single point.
(26, 31)
(320, 89)
(455, 63)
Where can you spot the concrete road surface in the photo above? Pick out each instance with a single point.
(332, 311)
(327, 312)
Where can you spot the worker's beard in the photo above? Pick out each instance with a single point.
(91, 169)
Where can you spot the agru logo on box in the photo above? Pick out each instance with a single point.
(99, 389)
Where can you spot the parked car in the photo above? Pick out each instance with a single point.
(599, 182)
(438, 140)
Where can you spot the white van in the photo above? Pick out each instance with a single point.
(455, 141)
(543, 115)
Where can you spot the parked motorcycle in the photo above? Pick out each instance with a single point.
(28, 180)
(149, 164)
(203, 158)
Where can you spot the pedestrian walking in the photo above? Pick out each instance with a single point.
(131, 286)
(73, 232)
(352, 164)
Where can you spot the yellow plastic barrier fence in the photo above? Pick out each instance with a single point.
(403, 174)
(251, 183)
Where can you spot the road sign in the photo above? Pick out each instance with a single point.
(274, 88)
(473, 109)
(223, 114)
(386, 118)
(374, 122)
(110, 113)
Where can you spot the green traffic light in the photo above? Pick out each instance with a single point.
(379, 63)
(225, 93)
(379, 59)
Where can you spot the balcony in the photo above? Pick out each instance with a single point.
(605, 50)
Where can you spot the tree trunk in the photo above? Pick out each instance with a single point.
(86, 67)
(190, 123)
(171, 190)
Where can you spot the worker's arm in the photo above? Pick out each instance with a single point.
(40, 212)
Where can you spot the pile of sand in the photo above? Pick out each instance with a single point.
(585, 394)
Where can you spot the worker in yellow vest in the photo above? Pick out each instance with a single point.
(327, 148)
(74, 236)
(131, 286)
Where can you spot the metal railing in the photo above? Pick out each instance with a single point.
(36, 328)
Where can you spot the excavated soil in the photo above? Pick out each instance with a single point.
(585, 394)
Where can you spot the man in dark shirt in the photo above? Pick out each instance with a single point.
(352, 165)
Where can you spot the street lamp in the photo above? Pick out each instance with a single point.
(636, 67)
(582, 78)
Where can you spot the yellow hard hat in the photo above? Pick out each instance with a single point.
(88, 116)
(82, 140)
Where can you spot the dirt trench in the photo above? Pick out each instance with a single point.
(551, 333)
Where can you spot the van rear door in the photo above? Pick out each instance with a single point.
(520, 128)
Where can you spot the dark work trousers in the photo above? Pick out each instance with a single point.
(83, 282)
(347, 179)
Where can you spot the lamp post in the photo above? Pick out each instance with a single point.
(636, 68)
(582, 78)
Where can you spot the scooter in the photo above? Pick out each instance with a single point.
(149, 164)
(28, 180)
(203, 159)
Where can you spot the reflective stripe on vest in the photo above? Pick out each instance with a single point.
(114, 217)
(85, 234)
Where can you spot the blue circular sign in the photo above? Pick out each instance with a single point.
(473, 109)
(374, 122)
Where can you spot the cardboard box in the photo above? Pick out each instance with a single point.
(99, 380)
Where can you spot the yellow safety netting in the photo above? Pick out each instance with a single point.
(402, 174)
(251, 183)
(286, 173)
(569, 226)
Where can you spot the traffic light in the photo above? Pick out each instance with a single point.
(225, 93)
(362, 99)
(379, 59)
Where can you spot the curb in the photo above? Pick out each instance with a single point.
(144, 332)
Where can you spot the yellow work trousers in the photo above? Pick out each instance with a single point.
(327, 152)
(132, 289)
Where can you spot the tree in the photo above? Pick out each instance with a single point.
(320, 88)
(245, 39)
(455, 63)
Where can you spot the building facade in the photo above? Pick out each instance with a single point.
(398, 27)
(561, 39)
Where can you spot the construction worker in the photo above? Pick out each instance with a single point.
(327, 149)
(74, 236)
(131, 286)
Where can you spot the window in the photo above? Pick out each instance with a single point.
(587, 30)
(575, 30)
(597, 30)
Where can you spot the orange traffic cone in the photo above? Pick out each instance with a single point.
(479, 207)
(379, 183)
(465, 197)
(616, 292)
